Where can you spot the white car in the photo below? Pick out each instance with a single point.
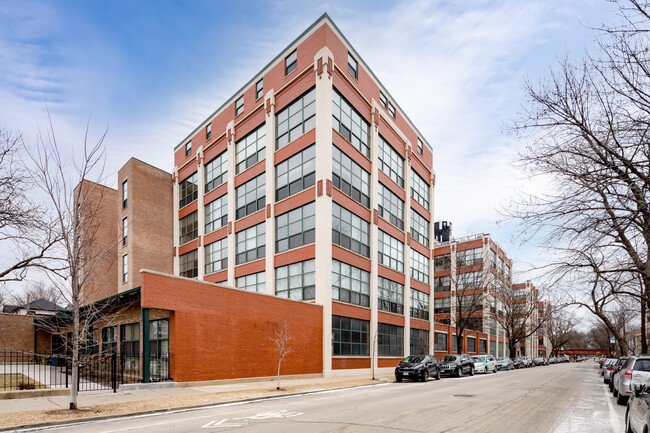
(485, 364)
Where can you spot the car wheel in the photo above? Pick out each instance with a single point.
(438, 375)
(398, 378)
(425, 376)
(471, 371)
(615, 392)
(496, 369)
(460, 372)
(621, 400)
(605, 380)
(611, 386)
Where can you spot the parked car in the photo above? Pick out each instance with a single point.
(488, 363)
(518, 363)
(505, 364)
(526, 362)
(539, 361)
(636, 370)
(607, 369)
(637, 416)
(417, 367)
(617, 367)
(457, 365)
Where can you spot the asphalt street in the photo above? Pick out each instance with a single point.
(556, 398)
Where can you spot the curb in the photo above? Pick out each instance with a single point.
(30, 427)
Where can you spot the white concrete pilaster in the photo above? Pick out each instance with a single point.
(269, 101)
(201, 211)
(176, 194)
(407, 252)
(232, 202)
(374, 231)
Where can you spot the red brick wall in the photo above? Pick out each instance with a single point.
(16, 332)
(221, 333)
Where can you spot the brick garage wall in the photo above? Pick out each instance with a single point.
(222, 333)
(16, 332)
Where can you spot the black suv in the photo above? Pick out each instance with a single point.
(417, 367)
(457, 365)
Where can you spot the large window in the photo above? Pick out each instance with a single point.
(251, 243)
(442, 284)
(350, 284)
(391, 207)
(391, 251)
(296, 119)
(188, 190)
(109, 340)
(296, 228)
(419, 228)
(419, 189)
(350, 336)
(159, 349)
(441, 305)
(390, 162)
(252, 282)
(130, 346)
(188, 228)
(296, 281)
(471, 344)
(251, 196)
(216, 214)
(189, 264)
(469, 257)
(296, 173)
(482, 346)
(469, 280)
(442, 262)
(391, 340)
(419, 342)
(291, 62)
(391, 296)
(440, 342)
(125, 268)
(350, 231)
(216, 172)
(349, 123)
(419, 305)
(349, 177)
(419, 266)
(216, 256)
(250, 149)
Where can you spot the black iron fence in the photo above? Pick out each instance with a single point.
(20, 370)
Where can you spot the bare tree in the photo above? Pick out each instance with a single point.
(37, 290)
(75, 202)
(559, 328)
(471, 282)
(26, 230)
(282, 339)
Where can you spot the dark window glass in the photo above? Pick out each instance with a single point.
(188, 190)
(350, 336)
(390, 340)
(291, 62)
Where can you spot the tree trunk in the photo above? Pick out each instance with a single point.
(75, 359)
(459, 342)
(644, 341)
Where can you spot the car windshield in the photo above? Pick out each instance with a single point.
(414, 359)
(449, 358)
(478, 358)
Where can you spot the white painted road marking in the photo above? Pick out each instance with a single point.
(613, 417)
(221, 423)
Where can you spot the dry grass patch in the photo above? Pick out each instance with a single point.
(13, 382)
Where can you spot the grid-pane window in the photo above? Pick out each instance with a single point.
(109, 340)
(159, 339)
(469, 280)
(216, 172)
(130, 346)
(350, 336)
(419, 305)
(251, 243)
(442, 262)
(440, 342)
(291, 62)
(216, 256)
(189, 264)
(482, 346)
(390, 162)
(252, 282)
(125, 268)
(390, 296)
(251, 196)
(349, 177)
(350, 231)
(349, 123)
(352, 66)
(239, 106)
(391, 110)
(296, 228)
(216, 214)
(419, 266)
(419, 344)
(250, 149)
(442, 284)
(419, 189)
(296, 281)
(296, 119)
(391, 251)
(296, 173)
(471, 344)
(390, 340)
(471, 257)
(188, 228)
(419, 228)
(391, 207)
(125, 231)
(188, 190)
(493, 348)
(441, 305)
(125, 193)
(259, 89)
(454, 344)
(350, 284)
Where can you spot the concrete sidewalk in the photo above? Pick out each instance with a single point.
(153, 397)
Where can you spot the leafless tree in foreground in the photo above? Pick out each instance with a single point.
(282, 339)
(75, 202)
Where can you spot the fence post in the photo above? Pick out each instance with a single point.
(66, 373)
(114, 371)
(145, 345)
